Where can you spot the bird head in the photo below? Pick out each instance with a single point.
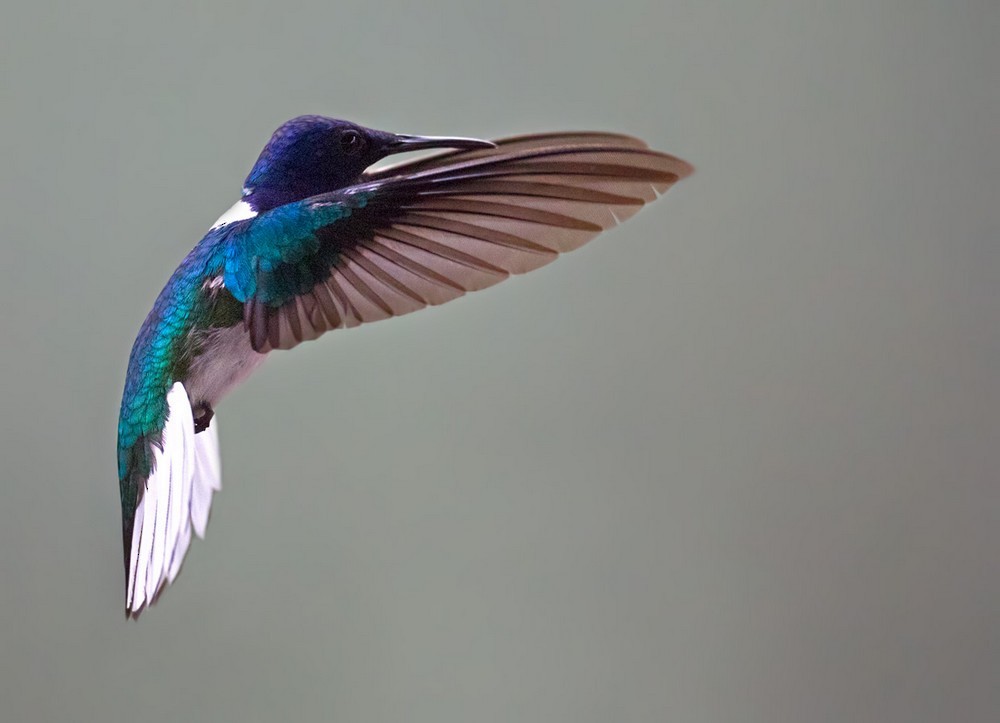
(314, 154)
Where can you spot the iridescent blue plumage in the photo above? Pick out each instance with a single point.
(282, 238)
(158, 350)
(270, 259)
(161, 355)
(300, 160)
(319, 243)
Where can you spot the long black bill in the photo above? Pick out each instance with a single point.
(405, 144)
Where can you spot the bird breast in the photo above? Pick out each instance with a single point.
(226, 360)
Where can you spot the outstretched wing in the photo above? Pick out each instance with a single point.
(174, 502)
(424, 232)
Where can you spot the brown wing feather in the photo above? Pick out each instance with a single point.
(440, 226)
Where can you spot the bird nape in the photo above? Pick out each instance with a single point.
(319, 242)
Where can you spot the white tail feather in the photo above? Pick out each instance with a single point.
(177, 498)
(207, 476)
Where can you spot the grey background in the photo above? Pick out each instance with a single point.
(734, 461)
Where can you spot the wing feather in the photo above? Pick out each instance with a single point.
(432, 229)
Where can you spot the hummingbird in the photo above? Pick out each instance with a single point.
(320, 240)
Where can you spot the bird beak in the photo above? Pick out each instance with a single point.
(405, 144)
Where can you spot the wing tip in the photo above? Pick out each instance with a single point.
(683, 168)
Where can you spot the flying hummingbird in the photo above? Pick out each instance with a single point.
(319, 242)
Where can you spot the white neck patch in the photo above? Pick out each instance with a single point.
(240, 211)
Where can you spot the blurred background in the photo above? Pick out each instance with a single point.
(736, 460)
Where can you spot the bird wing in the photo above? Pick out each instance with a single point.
(426, 231)
(174, 501)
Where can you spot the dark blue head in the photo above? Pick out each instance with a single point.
(313, 154)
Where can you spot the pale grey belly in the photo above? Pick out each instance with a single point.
(226, 360)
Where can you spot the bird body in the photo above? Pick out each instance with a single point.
(318, 242)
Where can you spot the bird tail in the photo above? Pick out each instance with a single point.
(174, 501)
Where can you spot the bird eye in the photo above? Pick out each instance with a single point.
(351, 142)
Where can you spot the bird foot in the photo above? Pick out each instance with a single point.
(204, 418)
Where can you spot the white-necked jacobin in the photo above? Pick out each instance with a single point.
(319, 242)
